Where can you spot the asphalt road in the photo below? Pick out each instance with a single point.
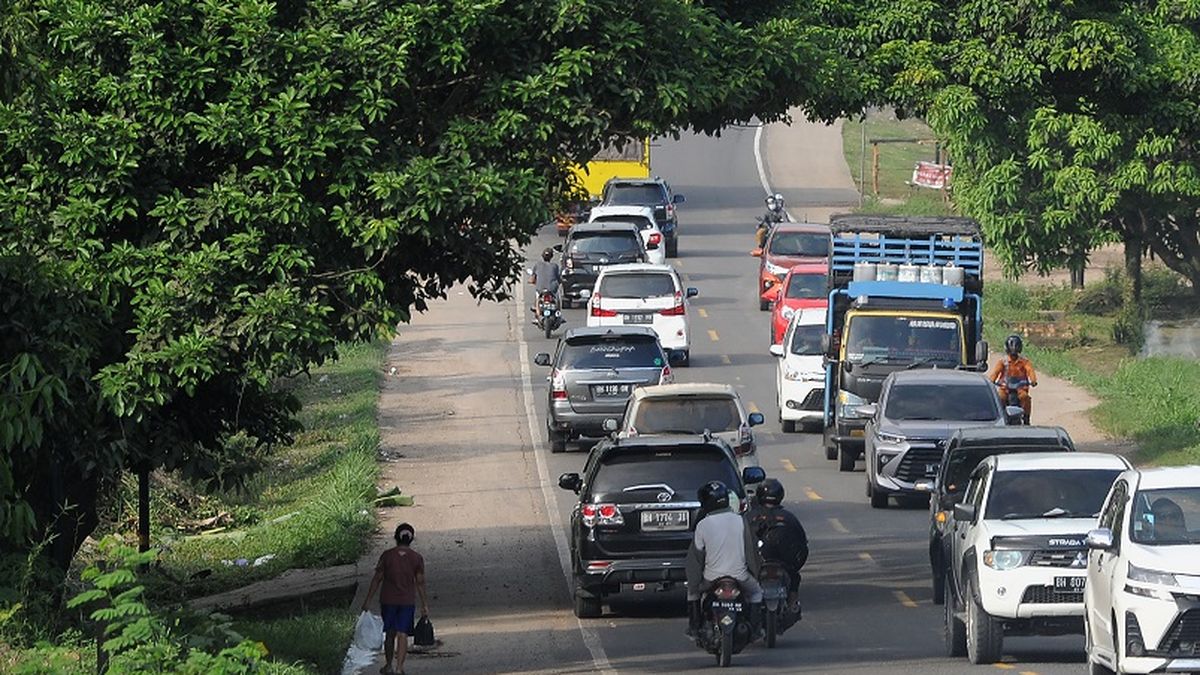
(866, 589)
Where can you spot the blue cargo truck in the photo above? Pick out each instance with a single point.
(903, 293)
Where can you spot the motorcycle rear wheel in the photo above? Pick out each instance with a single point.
(772, 629)
(547, 329)
(725, 652)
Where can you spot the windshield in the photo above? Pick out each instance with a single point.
(903, 339)
(805, 244)
(806, 286)
(686, 415)
(961, 462)
(636, 195)
(642, 222)
(806, 340)
(637, 285)
(1166, 517)
(612, 354)
(603, 243)
(683, 468)
(1048, 493)
(973, 402)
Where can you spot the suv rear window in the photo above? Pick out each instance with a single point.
(686, 415)
(806, 286)
(807, 244)
(603, 243)
(636, 195)
(637, 285)
(611, 354)
(1046, 493)
(973, 402)
(684, 468)
(642, 222)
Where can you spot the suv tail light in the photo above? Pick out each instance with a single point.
(597, 310)
(558, 386)
(655, 239)
(666, 377)
(670, 210)
(677, 309)
(601, 514)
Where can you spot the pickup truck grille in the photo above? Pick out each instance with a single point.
(1058, 558)
(914, 462)
(1046, 595)
(1186, 629)
(815, 400)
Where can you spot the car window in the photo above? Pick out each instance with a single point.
(806, 286)
(1046, 493)
(1166, 517)
(636, 195)
(1114, 512)
(687, 415)
(637, 285)
(966, 402)
(642, 222)
(683, 468)
(975, 488)
(807, 244)
(806, 340)
(611, 354)
(603, 243)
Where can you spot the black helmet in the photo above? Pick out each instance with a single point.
(1013, 344)
(713, 495)
(547, 254)
(770, 493)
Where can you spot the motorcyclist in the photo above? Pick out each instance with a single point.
(775, 214)
(783, 537)
(722, 546)
(545, 277)
(1015, 367)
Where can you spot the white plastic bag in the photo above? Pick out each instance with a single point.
(367, 643)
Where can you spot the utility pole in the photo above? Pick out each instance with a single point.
(862, 161)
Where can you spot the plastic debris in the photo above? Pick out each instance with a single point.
(393, 497)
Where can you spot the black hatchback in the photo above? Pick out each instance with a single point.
(637, 511)
(589, 248)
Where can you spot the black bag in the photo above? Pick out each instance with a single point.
(423, 633)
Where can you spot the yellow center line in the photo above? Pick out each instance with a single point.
(725, 359)
(866, 556)
(703, 313)
(788, 466)
(712, 335)
(1028, 672)
(753, 408)
(812, 494)
(904, 599)
(838, 526)
(1005, 666)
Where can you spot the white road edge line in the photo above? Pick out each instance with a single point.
(762, 168)
(591, 639)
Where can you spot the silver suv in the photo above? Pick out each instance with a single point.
(594, 371)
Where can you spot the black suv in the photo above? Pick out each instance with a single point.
(964, 451)
(652, 192)
(591, 247)
(637, 512)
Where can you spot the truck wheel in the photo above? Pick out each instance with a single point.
(558, 442)
(789, 426)
(939, 582)
(831, 451)
(879, 500)
(845, 458)
(985, 635)
(954, 632)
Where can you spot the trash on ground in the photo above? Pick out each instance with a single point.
(393, 497)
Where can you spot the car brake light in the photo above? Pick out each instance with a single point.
(601, 514)
(677, 310)
(670, 209)
(666, 377)
(558, 386)
(655, 239)
(598, 311)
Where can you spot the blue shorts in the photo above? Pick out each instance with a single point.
(398, 618)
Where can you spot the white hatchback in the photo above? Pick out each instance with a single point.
(642, 294)
(800, 375)
(1142, 598)
(643, 217)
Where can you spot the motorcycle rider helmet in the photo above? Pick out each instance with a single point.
(770, 201)
(713, 496)
(779, 200)
(547, 254)
(1013, 344)
(770, 493)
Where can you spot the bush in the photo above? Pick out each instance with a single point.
(1129, 328)
(1103, 298)
(1164, 291)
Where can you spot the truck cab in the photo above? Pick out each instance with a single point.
(903, 293)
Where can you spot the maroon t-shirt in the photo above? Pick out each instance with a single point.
(400, 566)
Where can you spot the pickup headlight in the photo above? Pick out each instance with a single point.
(848, 404)
(777, 270)
(893, 439)
(1003, 560)
(1144, 576)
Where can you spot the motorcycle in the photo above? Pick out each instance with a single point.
(1010, 392)
(725, 626)
(547, 315)
(775, 214)
(774, 578)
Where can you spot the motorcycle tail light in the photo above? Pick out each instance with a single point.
(601, 514)
(547, 298)
(727, 591)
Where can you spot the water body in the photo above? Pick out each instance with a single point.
(1172, 338)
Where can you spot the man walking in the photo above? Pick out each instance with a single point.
(400, 575)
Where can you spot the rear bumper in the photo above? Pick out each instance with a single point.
(563, 418)
(637, 571)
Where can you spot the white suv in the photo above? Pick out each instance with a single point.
(1143, 586)
(1018, 560)
(642, 294)
(800, 375)
(643, 217)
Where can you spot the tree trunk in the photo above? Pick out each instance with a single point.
(65, 509)
(1076, 265)
(1133, 266)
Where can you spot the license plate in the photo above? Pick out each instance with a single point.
(661, 521)
(610, 390)
(724, 604)
(1069, 584)
(856, 433)
(639, 318)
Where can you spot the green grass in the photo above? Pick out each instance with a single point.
(896, 160)
(306, 640)
(311, 506)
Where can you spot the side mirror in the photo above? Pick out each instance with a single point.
(868, 410)
(610, 425)
(585, 294)
(692, 292)
(1100, 539)
(776, 350)
(678, 199)
(757, 253)
(964, 512)
(542, 359)
(756, 419)
(753, 474)
(1015, 414)
(981, 352)
(570, 481)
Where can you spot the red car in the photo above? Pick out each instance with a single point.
(803, 288)
(789, 244)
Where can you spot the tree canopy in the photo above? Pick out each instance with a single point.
(198, 197)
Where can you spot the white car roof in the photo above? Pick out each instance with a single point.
(1168, 477)
(685, 389)
(809, 316)
(598, 211)
(636, 267)
(1031, 461)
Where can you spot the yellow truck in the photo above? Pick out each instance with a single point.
(631, 161)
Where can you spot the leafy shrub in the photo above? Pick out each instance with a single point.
(1059, 297)
(1165, 290)
(1129, 328)
(1103, 298)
